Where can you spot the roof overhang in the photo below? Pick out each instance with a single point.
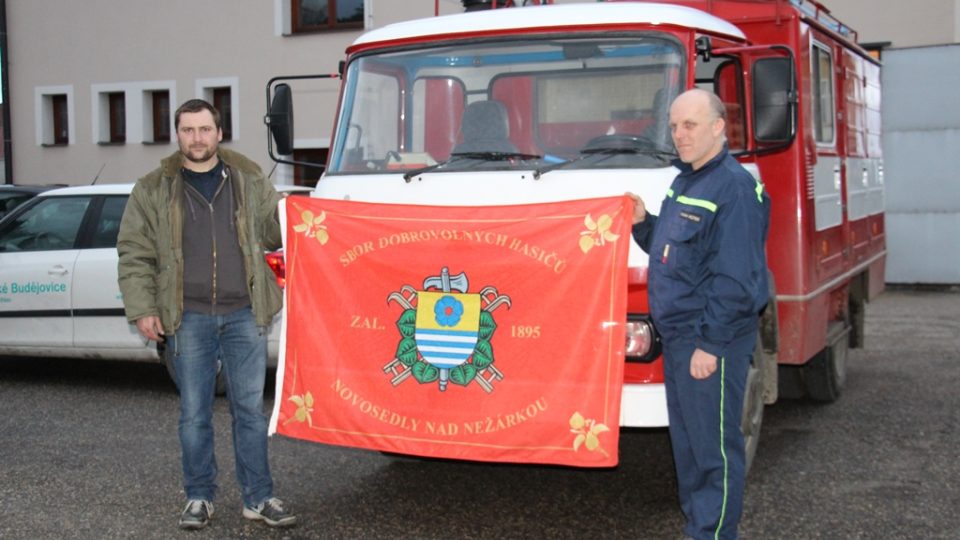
(543, 18)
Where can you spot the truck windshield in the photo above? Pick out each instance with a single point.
(598, 102)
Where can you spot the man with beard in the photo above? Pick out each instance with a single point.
(193, 275)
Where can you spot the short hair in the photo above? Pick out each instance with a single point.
(195, 106)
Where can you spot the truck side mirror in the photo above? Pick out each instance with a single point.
(280, 119)
(774, 100)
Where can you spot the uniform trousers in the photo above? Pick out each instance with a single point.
(705, 433)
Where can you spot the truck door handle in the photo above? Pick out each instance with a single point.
(57, 271)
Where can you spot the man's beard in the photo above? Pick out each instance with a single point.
(205, 153)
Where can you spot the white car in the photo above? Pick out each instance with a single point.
(58, 279)
(285, 190)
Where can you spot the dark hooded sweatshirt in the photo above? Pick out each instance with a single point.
(214, 279)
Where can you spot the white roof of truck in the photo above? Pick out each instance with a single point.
(567, 15)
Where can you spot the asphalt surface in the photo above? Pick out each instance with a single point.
(89, 450)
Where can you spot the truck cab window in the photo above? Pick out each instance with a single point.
(723, 78)
(403, 110)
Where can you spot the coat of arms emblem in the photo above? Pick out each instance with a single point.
(445, 333)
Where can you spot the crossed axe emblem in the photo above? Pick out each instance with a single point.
(407, 296)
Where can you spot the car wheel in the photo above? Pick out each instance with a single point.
(221, 386)
(168, 362)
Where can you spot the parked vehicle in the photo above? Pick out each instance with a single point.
(577, 96)
(12, 196)
(58, 279)
(285, 190)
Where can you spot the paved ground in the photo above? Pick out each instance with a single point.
(882, 462)
(89, 450)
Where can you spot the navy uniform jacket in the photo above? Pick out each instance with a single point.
(708, 272)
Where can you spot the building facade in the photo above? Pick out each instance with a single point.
(899, 23)
(93, 85)
(921, 64)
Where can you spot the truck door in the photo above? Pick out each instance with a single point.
(757, 85)
(859, 135)
(830, 220)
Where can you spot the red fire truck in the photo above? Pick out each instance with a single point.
(553, 102)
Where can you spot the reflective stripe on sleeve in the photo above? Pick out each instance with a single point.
(701, 203)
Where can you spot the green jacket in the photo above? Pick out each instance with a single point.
(150, 269)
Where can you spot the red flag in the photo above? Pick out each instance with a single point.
(478, 333)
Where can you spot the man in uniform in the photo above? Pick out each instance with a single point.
(707, 286)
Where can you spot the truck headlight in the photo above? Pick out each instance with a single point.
(643, 343)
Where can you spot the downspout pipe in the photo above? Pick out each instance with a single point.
(5, 75)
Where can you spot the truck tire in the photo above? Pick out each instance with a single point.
(790, 384)
(762, 377)
(753, 404)
(826, 372)
(770, 340)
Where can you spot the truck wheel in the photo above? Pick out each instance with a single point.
(753, 404)
(221, 389)
(790, 383)
(826, 373)
(770, 340)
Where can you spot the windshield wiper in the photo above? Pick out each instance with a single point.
(604, 154)
(479, 156)
(498, 156)
(407, 176)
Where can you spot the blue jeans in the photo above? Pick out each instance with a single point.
(241, 346)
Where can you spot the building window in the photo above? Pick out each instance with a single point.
(160, 115)
(223, 93)
(117, 114)
(156, 115)
(821, 63)
(60, 114)
(54, 112)
(221, 100)
(321, 15)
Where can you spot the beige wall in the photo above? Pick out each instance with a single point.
(134, 44)
(96, 45)
(903, 23)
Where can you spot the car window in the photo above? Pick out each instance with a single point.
(51, 224)
(105, 234)
(9, 201)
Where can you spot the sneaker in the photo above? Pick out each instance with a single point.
(196, 514)
(270, 511)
